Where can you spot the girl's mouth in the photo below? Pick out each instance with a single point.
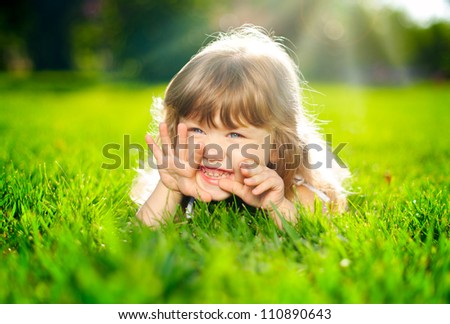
(214, 175)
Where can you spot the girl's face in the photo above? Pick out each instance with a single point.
(224, 150)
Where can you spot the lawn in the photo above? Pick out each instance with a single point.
(68, 232)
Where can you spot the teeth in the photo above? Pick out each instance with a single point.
(215, 174)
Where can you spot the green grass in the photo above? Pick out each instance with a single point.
(68, 233)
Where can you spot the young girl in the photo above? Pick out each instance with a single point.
(234, 124)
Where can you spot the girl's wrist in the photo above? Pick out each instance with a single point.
(159, 206)
(172, 194)
(285, 209)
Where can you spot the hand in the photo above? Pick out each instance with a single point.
(177, 169)
(262, 187)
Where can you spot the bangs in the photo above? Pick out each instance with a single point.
(232, 107)
(227, 90)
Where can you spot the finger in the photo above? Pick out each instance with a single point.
(158, 154)
(233, 187)
(166, 142)
(182, 141)
(253, 173)
(263, 187)
(250, 168)
(260, 177)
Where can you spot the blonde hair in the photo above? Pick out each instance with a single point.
(247, 77)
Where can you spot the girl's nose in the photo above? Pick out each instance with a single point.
(213, 152)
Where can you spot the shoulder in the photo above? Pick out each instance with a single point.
(307, 194)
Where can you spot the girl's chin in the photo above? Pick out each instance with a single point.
(219, 195)
(216, 193)
(214, 190)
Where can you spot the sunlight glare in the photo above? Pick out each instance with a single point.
(422, 11)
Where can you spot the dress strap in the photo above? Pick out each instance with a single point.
(299, 181)
(319, 193)
(190, 208)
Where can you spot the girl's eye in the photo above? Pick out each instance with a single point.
(235, 135)
(196, 130)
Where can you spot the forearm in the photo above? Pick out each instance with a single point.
(159, 206)
(286, 210)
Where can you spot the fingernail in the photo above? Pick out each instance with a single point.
(247, 165)
(244, 165)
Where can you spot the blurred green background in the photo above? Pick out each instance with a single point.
(347, 40)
